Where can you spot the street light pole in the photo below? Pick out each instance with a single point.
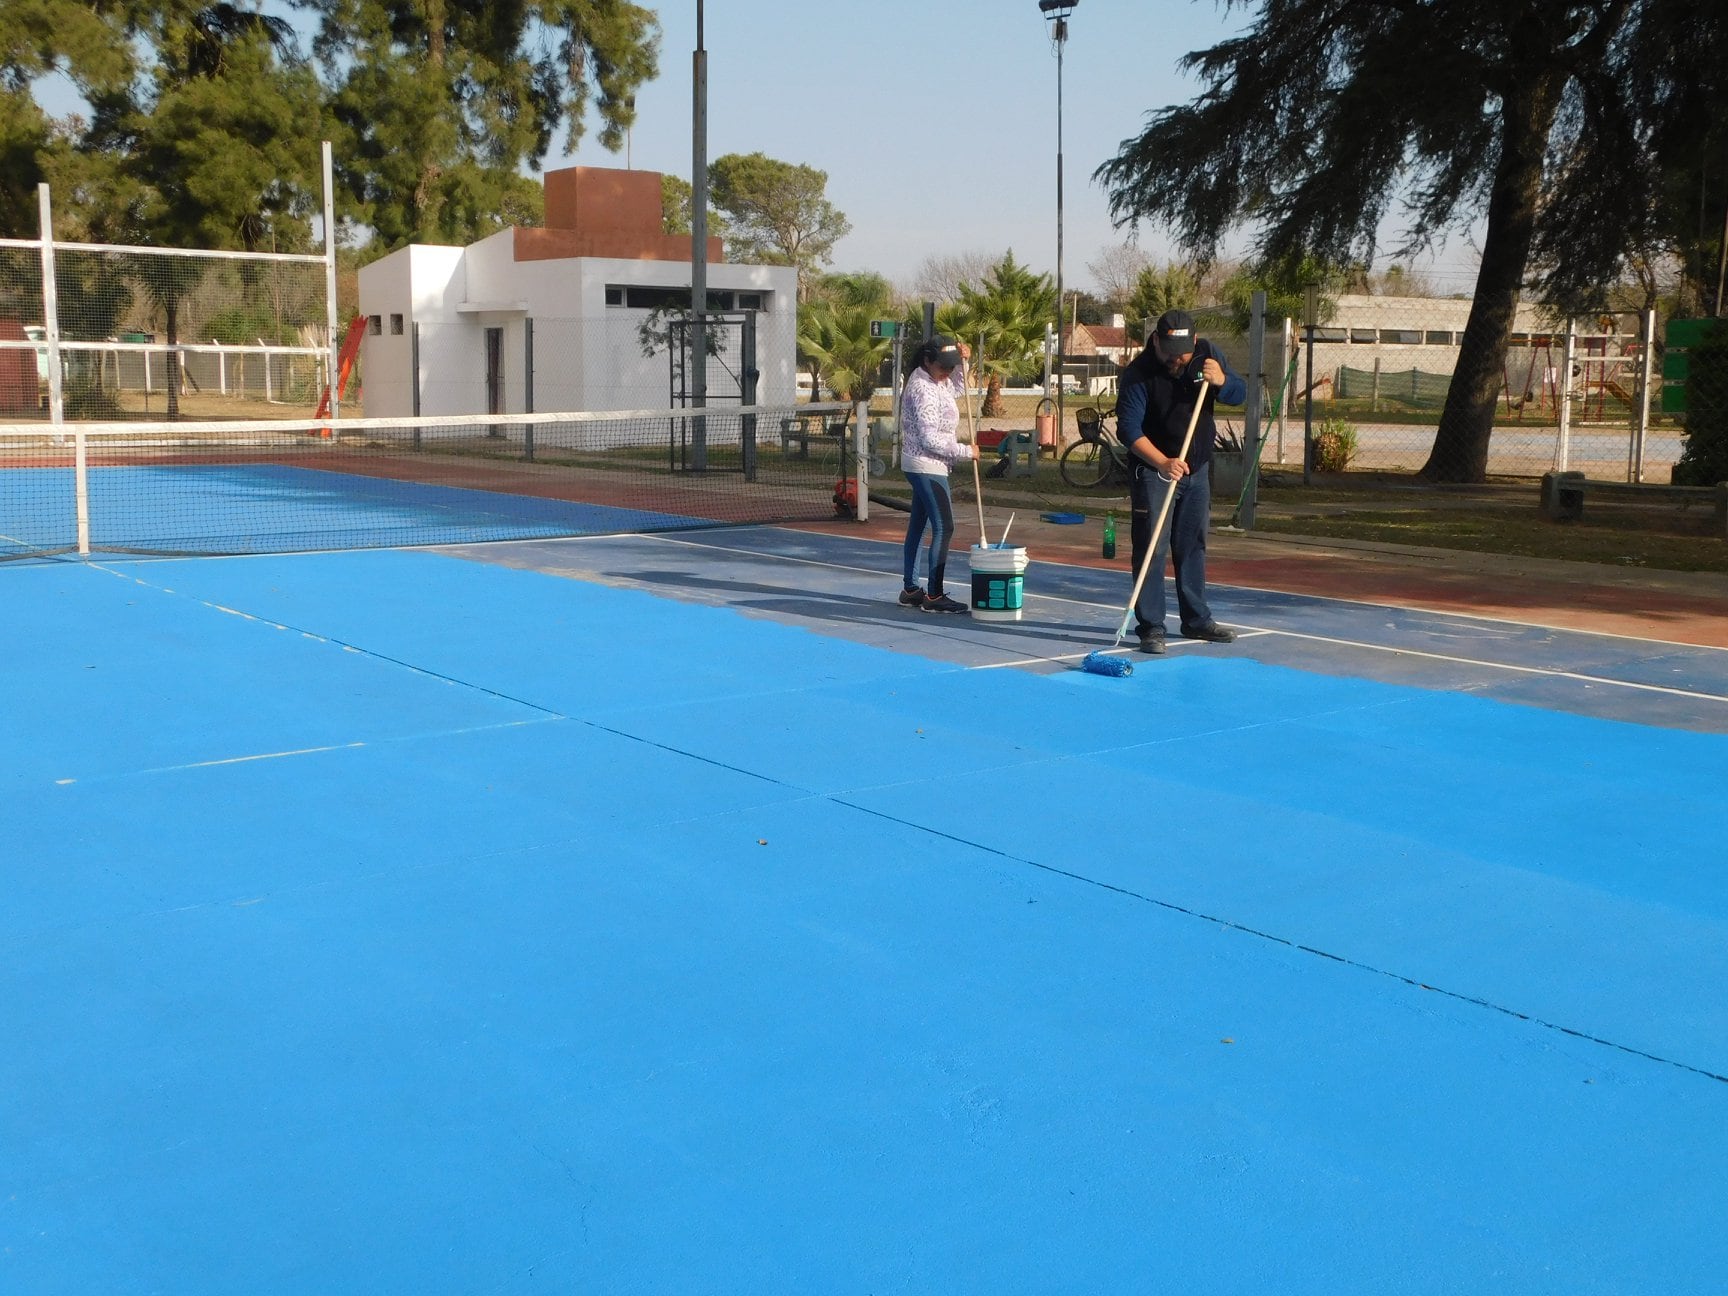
(698, 379)
(1056, 13)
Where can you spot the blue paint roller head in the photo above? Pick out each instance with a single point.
(1101, 663)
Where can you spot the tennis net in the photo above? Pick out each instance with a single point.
(278, 486)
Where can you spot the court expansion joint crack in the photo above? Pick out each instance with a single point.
(1227, 924)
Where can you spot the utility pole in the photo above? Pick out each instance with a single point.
(699, 247)
(1056, 13)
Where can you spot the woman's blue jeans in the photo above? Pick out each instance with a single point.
(932, 507)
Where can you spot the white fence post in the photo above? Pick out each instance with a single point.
(1563, 448)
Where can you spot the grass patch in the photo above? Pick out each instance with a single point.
(1663, 539)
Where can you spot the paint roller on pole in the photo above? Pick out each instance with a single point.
(1101, 662)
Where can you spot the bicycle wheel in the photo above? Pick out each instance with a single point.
(1086, 464)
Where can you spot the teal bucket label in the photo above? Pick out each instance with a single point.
(998, 581)
(994, 592)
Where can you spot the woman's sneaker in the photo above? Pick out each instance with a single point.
(942, 603)
(911, 596)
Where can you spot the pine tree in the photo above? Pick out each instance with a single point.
(778, 212)
(216, 147)
(442, 102)
(1549, 121)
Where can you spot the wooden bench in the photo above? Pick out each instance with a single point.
(1563, 495)
(803, 428)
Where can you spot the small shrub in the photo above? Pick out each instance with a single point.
(83, 399)
(1334, 445)
(1704, 453)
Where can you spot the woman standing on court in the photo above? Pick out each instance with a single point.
(929, 445)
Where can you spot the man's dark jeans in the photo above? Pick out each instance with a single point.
(1184, 539)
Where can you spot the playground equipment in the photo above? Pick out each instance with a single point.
(1601, 361)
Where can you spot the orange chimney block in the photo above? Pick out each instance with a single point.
(602, 212)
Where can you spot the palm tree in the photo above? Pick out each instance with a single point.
(836, 342)
(1004, 319)
(834, 332)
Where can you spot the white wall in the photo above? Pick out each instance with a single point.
(422, 284)
(587, 355)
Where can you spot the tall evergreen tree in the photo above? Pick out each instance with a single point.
(1540, 118)
(92, 46)
(441, 102)
(1171, 286)
(779, 213)
(216, 147)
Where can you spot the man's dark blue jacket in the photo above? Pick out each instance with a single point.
(1151, 403)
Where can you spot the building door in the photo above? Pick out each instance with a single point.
(495, 375)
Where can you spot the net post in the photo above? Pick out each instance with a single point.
(334, 362)
(861, 447)
(56, 390)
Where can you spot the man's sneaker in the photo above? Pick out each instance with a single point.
(942, 603)
(911, 596)
(1211, 632)
(1152, 643)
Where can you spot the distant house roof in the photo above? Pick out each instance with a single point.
(1100, 339)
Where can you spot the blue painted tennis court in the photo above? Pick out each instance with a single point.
(678, 914)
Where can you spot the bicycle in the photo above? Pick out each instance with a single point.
(1097, 458)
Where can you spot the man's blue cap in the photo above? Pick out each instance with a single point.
(1174, 334)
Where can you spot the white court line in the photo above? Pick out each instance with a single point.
(1606, 681)
(308, 751)
(1452, 659)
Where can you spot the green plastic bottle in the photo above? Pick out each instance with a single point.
(1109, 535)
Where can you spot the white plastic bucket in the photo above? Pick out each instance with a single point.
(998, 582)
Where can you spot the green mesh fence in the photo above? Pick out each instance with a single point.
(1406, 386)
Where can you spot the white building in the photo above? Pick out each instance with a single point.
(550, 319)
(1400, 334)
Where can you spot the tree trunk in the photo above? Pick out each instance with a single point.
(1460, 452)
(993, 406)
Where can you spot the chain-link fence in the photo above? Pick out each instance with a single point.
(1377, 388)
(618, 360)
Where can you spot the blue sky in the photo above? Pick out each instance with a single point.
(936, 123)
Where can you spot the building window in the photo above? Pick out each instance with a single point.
(655, 297)
(395, 324)
(1437, 337)
(643, 297)
(1402, 337)
(374, 325)
(1364, 335)
(1322, 334)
